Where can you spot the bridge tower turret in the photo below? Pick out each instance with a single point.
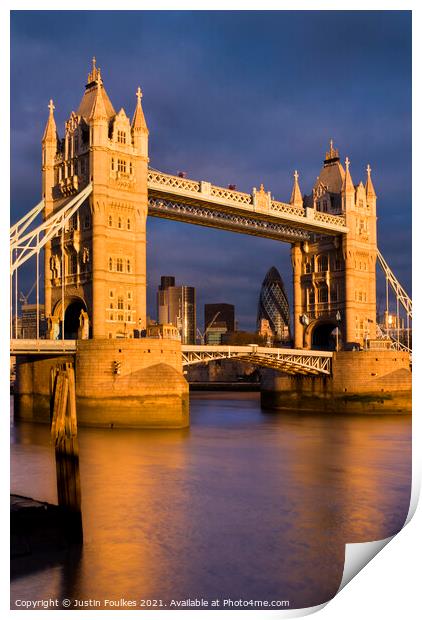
(50, 143)
(334, 278)
(360, 257)
(99, 264)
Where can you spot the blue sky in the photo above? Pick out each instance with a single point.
(230, 97)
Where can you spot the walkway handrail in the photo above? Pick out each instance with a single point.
(259, 203)
(252, 348)
(293, 361)
(29, 346)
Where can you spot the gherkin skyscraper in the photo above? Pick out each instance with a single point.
(273, 306)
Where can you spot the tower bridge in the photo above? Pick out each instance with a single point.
(98, 188)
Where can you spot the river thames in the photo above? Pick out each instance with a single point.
(245, 504)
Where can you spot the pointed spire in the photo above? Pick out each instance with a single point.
(370, 191)
(296, 197)
(91, 105)
(99, 111)
(348, 187)
(50, 131)
(138, 122)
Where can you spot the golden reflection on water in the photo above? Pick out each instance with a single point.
(242, 505)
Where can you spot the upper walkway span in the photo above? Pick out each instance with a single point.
(200, 202)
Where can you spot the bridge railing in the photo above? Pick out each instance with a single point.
(293, 361)
(261, 201)
(26, 346)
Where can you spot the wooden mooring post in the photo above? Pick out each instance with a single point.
(64, 433)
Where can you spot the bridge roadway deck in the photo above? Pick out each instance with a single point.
(292, 361)
(200, 202)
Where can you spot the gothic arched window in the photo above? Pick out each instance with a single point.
(323, 263)
(323, 294)
(73, 264)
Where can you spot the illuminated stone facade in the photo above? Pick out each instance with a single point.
(104, 247)
(334, 277)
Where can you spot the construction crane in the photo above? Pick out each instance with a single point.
(202, 335)
(24, 298)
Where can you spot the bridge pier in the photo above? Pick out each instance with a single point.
(135, 383)
(361, 382)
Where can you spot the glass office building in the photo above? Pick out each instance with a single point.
(273, 306)
(176, 305)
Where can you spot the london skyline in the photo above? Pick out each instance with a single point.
(230, 112)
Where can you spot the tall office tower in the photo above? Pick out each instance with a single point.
(166, 282)
(162, 299)
(177, 305)
(273, 306)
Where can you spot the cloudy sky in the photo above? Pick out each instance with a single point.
(230, 97)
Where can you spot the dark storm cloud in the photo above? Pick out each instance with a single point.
(232, 97)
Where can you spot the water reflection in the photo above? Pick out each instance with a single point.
(242, 505)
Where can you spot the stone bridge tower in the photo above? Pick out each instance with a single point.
(334, 278)
(98, 265)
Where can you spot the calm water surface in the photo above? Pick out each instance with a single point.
(244, 504)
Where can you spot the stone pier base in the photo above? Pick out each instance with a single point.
(361, 382)
(135, 383)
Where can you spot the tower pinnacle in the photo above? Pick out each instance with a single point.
(332, 154)
(370, 191)
(138, 122)
(296, 197)
(348, 186)
(50, 131)
(99, 107)
(95, 74)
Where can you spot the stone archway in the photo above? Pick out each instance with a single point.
(321, 336)
(73, 307)
(71, 319)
